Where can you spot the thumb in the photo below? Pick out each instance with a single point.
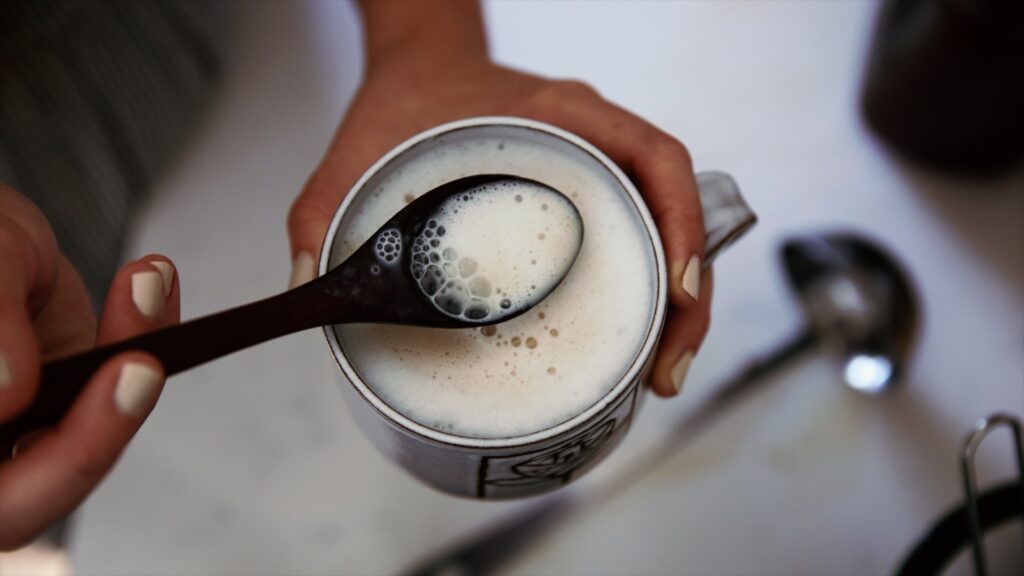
(308, 220)
(358, 142)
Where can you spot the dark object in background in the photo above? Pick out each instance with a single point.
(980, 513)
(950, 535)
(945, 82)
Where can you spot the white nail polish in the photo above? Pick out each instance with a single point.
(136, 389)
(678, 373)
(691, 277)
(166, 274)
(148, 293)
(302, 269)
(5, 373)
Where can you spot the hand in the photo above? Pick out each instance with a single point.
(413, 84)
(45, 313)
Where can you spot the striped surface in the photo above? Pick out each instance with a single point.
(94, 97)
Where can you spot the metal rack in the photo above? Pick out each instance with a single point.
(981, 430)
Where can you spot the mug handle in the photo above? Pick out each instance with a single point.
(727, 216)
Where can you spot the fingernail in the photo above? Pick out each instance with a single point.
(148, 293)
(166, 274)
(136, 389)
(26, 441)
(5, 373)
(678, 373)
(302, 269)
(691, 277)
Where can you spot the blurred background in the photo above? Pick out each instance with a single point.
(251, 464)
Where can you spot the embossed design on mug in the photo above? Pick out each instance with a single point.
(559, 464)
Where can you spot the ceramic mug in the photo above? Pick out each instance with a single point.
(547, 459)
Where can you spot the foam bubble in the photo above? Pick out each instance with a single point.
(496, 223)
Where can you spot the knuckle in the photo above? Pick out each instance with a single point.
(701, 323)
(309, 211)
(559, 89)
(576, 86)
(17, 251)
(27, 216)
(87, 462)
(28, 245)
(11, 235)
(667, 148)
(704, 321)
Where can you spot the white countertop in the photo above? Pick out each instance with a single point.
(251, 465)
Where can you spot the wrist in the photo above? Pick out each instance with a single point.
(423, 33)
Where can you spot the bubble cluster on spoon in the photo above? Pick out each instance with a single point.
(495, 249)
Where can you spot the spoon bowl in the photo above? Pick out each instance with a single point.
(405, 274)
(859, 303)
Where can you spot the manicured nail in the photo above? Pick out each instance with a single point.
(5, 373)
(678, 373)
(166, 274)
(302, 269)
(148, 293)
(136, 389)
(691, 277)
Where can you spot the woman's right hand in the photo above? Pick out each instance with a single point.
(45, 313)
(427, 64)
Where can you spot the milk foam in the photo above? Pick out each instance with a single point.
(495, 249)
(541, 368)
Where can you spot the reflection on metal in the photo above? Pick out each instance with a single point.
(971, 443)
(867, 373)
(860, 302)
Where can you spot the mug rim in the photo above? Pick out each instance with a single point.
(639, 361)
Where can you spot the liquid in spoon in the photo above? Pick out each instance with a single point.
(496, 249)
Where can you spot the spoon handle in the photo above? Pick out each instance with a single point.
(178, 348)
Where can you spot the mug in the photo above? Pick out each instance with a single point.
(510, 467)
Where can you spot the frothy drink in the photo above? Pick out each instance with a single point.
(495, 249)
(539, 369)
